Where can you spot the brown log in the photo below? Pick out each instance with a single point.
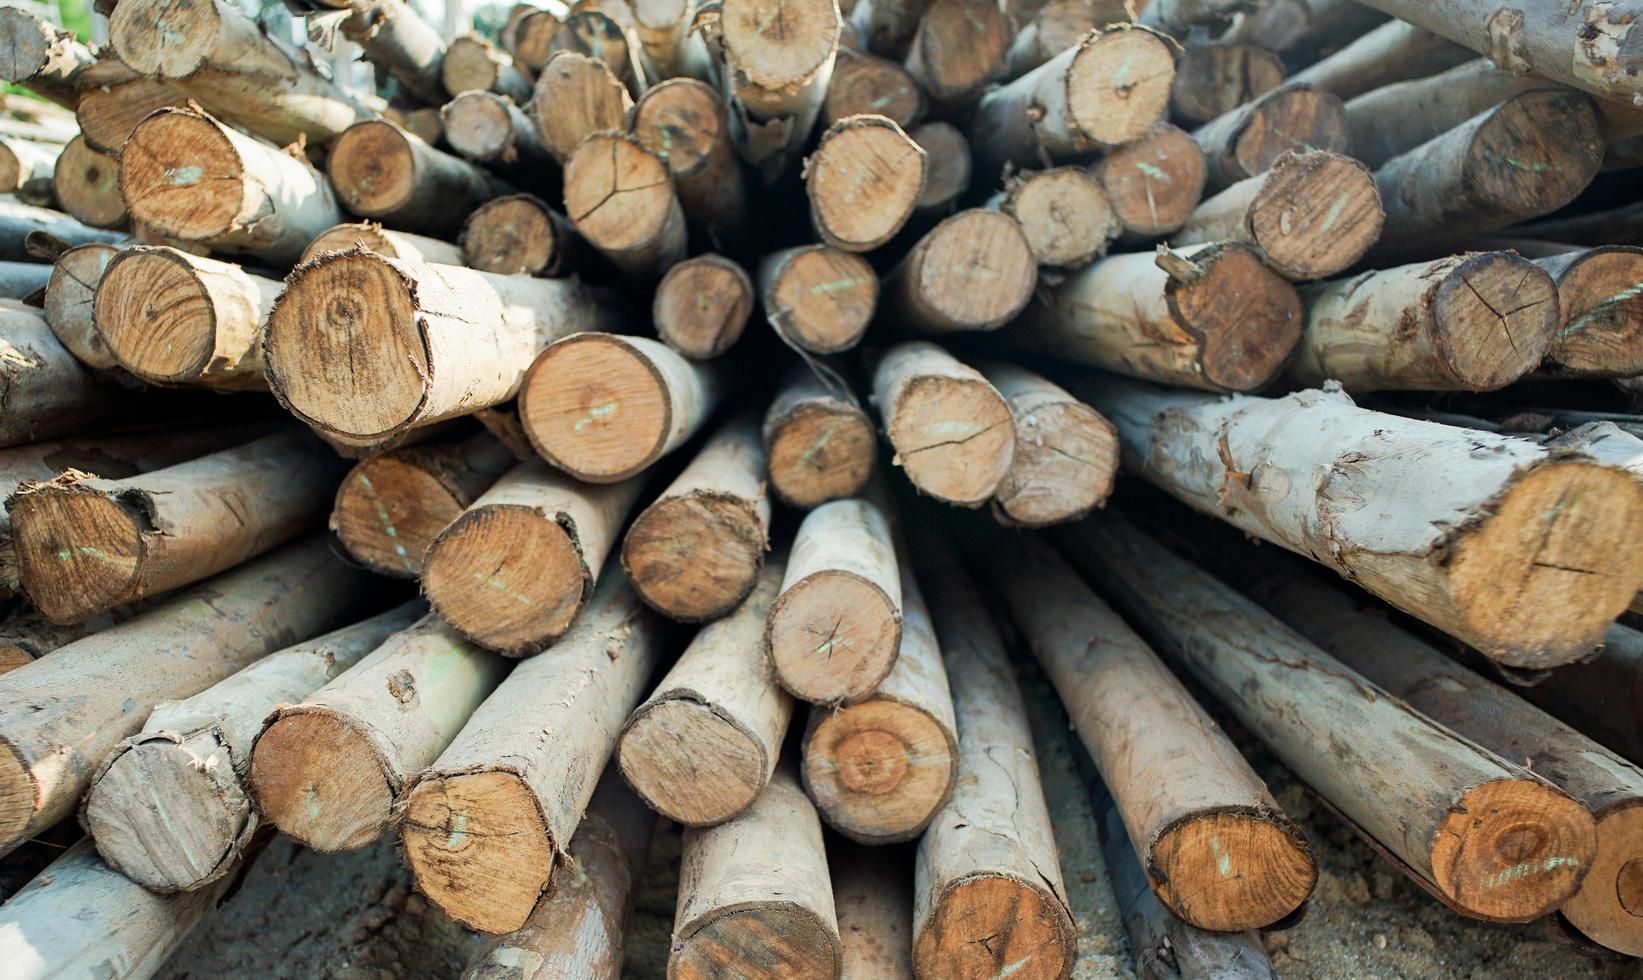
(873, 901)
(1472, 322)
(1066, 453)
(107, 114)
(704, 744)
(948, 165)
(1251, 138)
(391, 506)
(817, 297)
(819, 443)
(70, 294)
(65, 712)
(491, 129)
(329, 770)
(686, 124)
(374, 238)
(620, 197)
(1393, 52)
(1302, 29)
(973, 271)
(423, 122)
(380, 171)
(530, 40)
(366, 346)
(1604, 227)
(961, 47)
(45, 392)
(27, 637)
(1064, 212)
(702, 305)
(26, 167)
(867, 84)
(519, 235)
(1601, 304)
(863, 181)
(665, 31)
(41, 57)
(1056, 26)
(486, 828)
(1154, 183)
(86, 184)
(602, 31)
(951, 431)
(575, 96)
(1213, 79)
(473, 64)
(695, 552)
(776, 71)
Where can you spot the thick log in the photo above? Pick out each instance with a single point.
(394, 37)
(576, 96)
(391, 506)
(65, 712)
(695, 552)
(1313, 214)
(26, 166)
(1302, 29)
(381, 171)
(620, 197)
(1472, 322)
(491, 129)
(69, 303)
(702, 305)
(704, 744)
(329, 770)
(18, 221)
(366, 346)
(1395, 51)
(385, 242)
(961, 47)
(169, 808)
(473, 64)
(863, 181)
(867, 84)
(191, 177)
(1066, 454)
(44, 391)
(1214, 79)
(1214, 317)
(486, 828)
(1154, 183)
(973, 271)
(686, 124)
(951, 431)
(531, 40)
(1476, 543)
(519, 235)
(988, 868)
(948, 166)
(1064, 212)
(86, 184)
(108, 113)
(604, 407)
(819, 443)
(1056, 26)
(1601, 332)
(776, 64)
(1251, 138)
(41, 57)
(817, 297)
(873, 900)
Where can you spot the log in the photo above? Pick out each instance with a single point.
(86, 184)
(65, 712)
(1056, 26)
(603, 32)
(702, 305)
(818, 298)
(835, 631)
(695, 552)
(423, 122)
(1603, 227)
(988, 868)
(704, 744)
(1178, 17)
(87, 544)
(26, 165)
(20, 280)
(865, 83)
(819, 443)
(776, 62)
(70, 294)
(1251, 138)
(107, 114)
(519, 235)
(579, 931)
(603, 407)
(951, 431)
(18, 221)
(948, 166)
(1600, 334)
(395, 38)
(1214, 79)
(514, 571)
(1395, 51)
(489, 128)
(754, 896)
(575, 96)
(222, 59)
(1154, 183)
(329, 770)
(973, 271)
(391, 506)
(686, 124)
(191, 177)
(620, 197)
(367, 346)
(41, 57)
(486, 828)
(473, 64)
(1601, 696)
(1475, 544)
(1432, 325)
(1191, 806)
(886, 27)
(384, 241)
(961, 47)
(532, 36)
(1304, 29)
(169, 807)
(1063, 211)
(1213, 317)
(381, 171)
(1066, 455)
(1313, 214)
(873, 901)
(665, 32)
(44, 392)
(863, 181)
(169, 317)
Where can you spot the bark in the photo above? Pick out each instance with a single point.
(663, 28)
(819, 443)
(775, 71)
(951, 431)
(873, 900)
(948, 166)
(702, 305)
(1066, 456)
(961, 47)
(973, 271)
(1213, 79)
(1155, 182)
(385, 242)
(380, 171)
(867, 84)
(1395, 51)
(1178, 17)
(519, 235)
(576, 96)
(473, 64)
(886, 27)
(1056, 26)
(1601, 696)
(1605, 227)
(26, 165)
(818, 298)
(26, 637)
(686, 124)
(1601, 331)
(18, 221)
(40, 57)
(1064, 212)
(863, 181)
(1302, 29)
(107, 114)
(621, 198)
(394, 37)
(490, 129)
(44, 392)
(1250, 139)
(20, 280)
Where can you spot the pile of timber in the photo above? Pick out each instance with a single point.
(352, 494)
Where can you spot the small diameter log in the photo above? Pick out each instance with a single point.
(694, 554)
(952, 432)
(1109, 89)
(602, 32)
(65, 712)
(391, 244)
(819, 443)
(222, 58)
(70, 296)
(530, 39)
(947, 162)
(473, 64)
(817, 297)
(516, 568)
(191, 177)
(1601, 334)
(1434, 325)
(1394, 119)
(491, 129)
(1214, 317)
(1393, 52)
(884, 27)
(973, 271)
(1314, 214)
(620, 197)
(1476, 545)
(366, 346)
(988, 868)
(107, 114)
(380, 171)
(45, 392)
(391, 506)
(485, 828)
(775, 71)
(41, 57)
(835, 632)
(170, 808)
(576, 96)
(580, 930)
(686, 124)
(1066, 454)
(961, 47)
(1251, 138)
(873, 900)
(1154, 183)
(703, 746)
(86, 544)
(1178, 17)
(863, 182)
(664, 29)
(604, 407)
(1192, 807)
(86, 183)
(754, 895)
(1214, 79)
(25, 165)
(173, 318)
(702, 305)
(423, 122)
(17, 221)
(865, 83)
(518, 235)
(1064, 212)
(1056, 26)
(329, 770)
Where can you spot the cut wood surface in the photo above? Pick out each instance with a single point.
(69, 303)
(1601, 331)
(490, 128)
(472, 64)
(1212, 79)
(108, 113)
(1154, 183)
(1251, 138)
(685, 123)
(705, 742)
(519, 235)
(169, 808)
(329, 770)
(575, 96)
(973, 271)
(381, 171)
(960, 48)
(1064, 212)
(952, 432)
(390, 506)
(86, 184)
(1055, 26)
(601, 31)
(486, 828)
(1066, 454)
(947, 163)
(44, 391)
(865, 83)
(819, 443)
(754, 895)
(531, 36)
(604, 407)
(1472, 322)
(1214, 317)
(817, 297)
(374, 238)
(863, 180)
(777, 61)
(873, 900)
(18, 221)
(66, 711)
(702, 305)
(620, 196)
(1393, 52)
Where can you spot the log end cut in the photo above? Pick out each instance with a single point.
(954, 437)
(596, 407)
(767, 939)
(821, 452)
(1512, 850)
(1602, 308)
(976, 271)
(1232, 871)
(1535, 153)
(1248, 316)
(1317, 214)
(864, 180)
(27, 44)
(512, 236)
(878, 770)
(779, 44)
(1495, 316)
(695, 557)
(1294, 118)
(833, 636)
(388, 511)
(702, 305)
(823, 299)
(1066, 459)
(160, 38)
(181, 176)
(1065, 215)
(1118, 85)
(19, 796)
(1155, 182)
(79, 551)
(373, 168)
(1608, 909)
(156, 315)
(993, 925)
(618, 194)
(322, 782)
(690, 762)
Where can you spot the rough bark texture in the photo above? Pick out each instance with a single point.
(1251, 138)
(1066, 454)
(873, 900)
(702, 305)
(1154, 182)
(817, 297)
(819, 443)
(686, 123)
(775, 71)
(374, 238)
(973, 271)
(1393, 52)
(44, 391)
(381, 171)
(40, 57)
(18, 221)
(952, 432)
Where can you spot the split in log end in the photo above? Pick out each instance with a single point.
(702, 305)
(984, 921)
(954, 437)
(1066, 458)
(156, 315)
(1495, 319)
(321, 782)
(659, 752)
(833, 611)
